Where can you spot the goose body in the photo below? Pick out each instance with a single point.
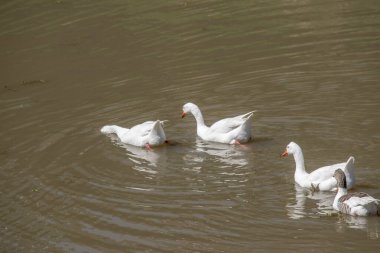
(147, 134)
(322, 178)
(229, 130)
(356, 203)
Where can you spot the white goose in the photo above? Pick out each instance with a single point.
(320, 179)
(356, 203)
(234, 130)
(147, 134)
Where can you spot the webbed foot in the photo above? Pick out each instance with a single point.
(314, 188)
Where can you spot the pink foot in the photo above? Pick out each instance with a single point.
(241, 146)
(148, 147)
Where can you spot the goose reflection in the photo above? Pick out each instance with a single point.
(298, 210)
(142, 159)
(370, 225)
(140, 155)
(228, 155)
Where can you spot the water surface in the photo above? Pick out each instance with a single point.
(309, 68)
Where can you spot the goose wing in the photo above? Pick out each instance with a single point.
(228, 124)
(347, 202)
(142, 129)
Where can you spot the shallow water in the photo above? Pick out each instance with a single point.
(310, 69)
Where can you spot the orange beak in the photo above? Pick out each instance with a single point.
(183, 114)
(285, 153)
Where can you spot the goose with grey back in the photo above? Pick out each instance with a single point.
(355, 203)
(320, 179)
(147, 134)
(234, 130)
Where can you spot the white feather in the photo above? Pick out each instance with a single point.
(321, 177)
(228, 130)
(149, 132)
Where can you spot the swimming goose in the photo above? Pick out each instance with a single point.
(320, 179)
(234, 130)
(356, 203)
(147, 134)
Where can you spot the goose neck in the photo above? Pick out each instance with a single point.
(198, 116)
(300, 162)
(341, 192)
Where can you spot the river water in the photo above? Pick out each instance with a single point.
(311, 69)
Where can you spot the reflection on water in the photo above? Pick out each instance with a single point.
(227, 155)
(322, 200)
(143, 160)
(370, 225)
(297, 210)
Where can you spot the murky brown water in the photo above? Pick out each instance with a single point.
(310, 68)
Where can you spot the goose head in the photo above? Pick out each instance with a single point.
(188, 107)
(340, 178)
(291, 149)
